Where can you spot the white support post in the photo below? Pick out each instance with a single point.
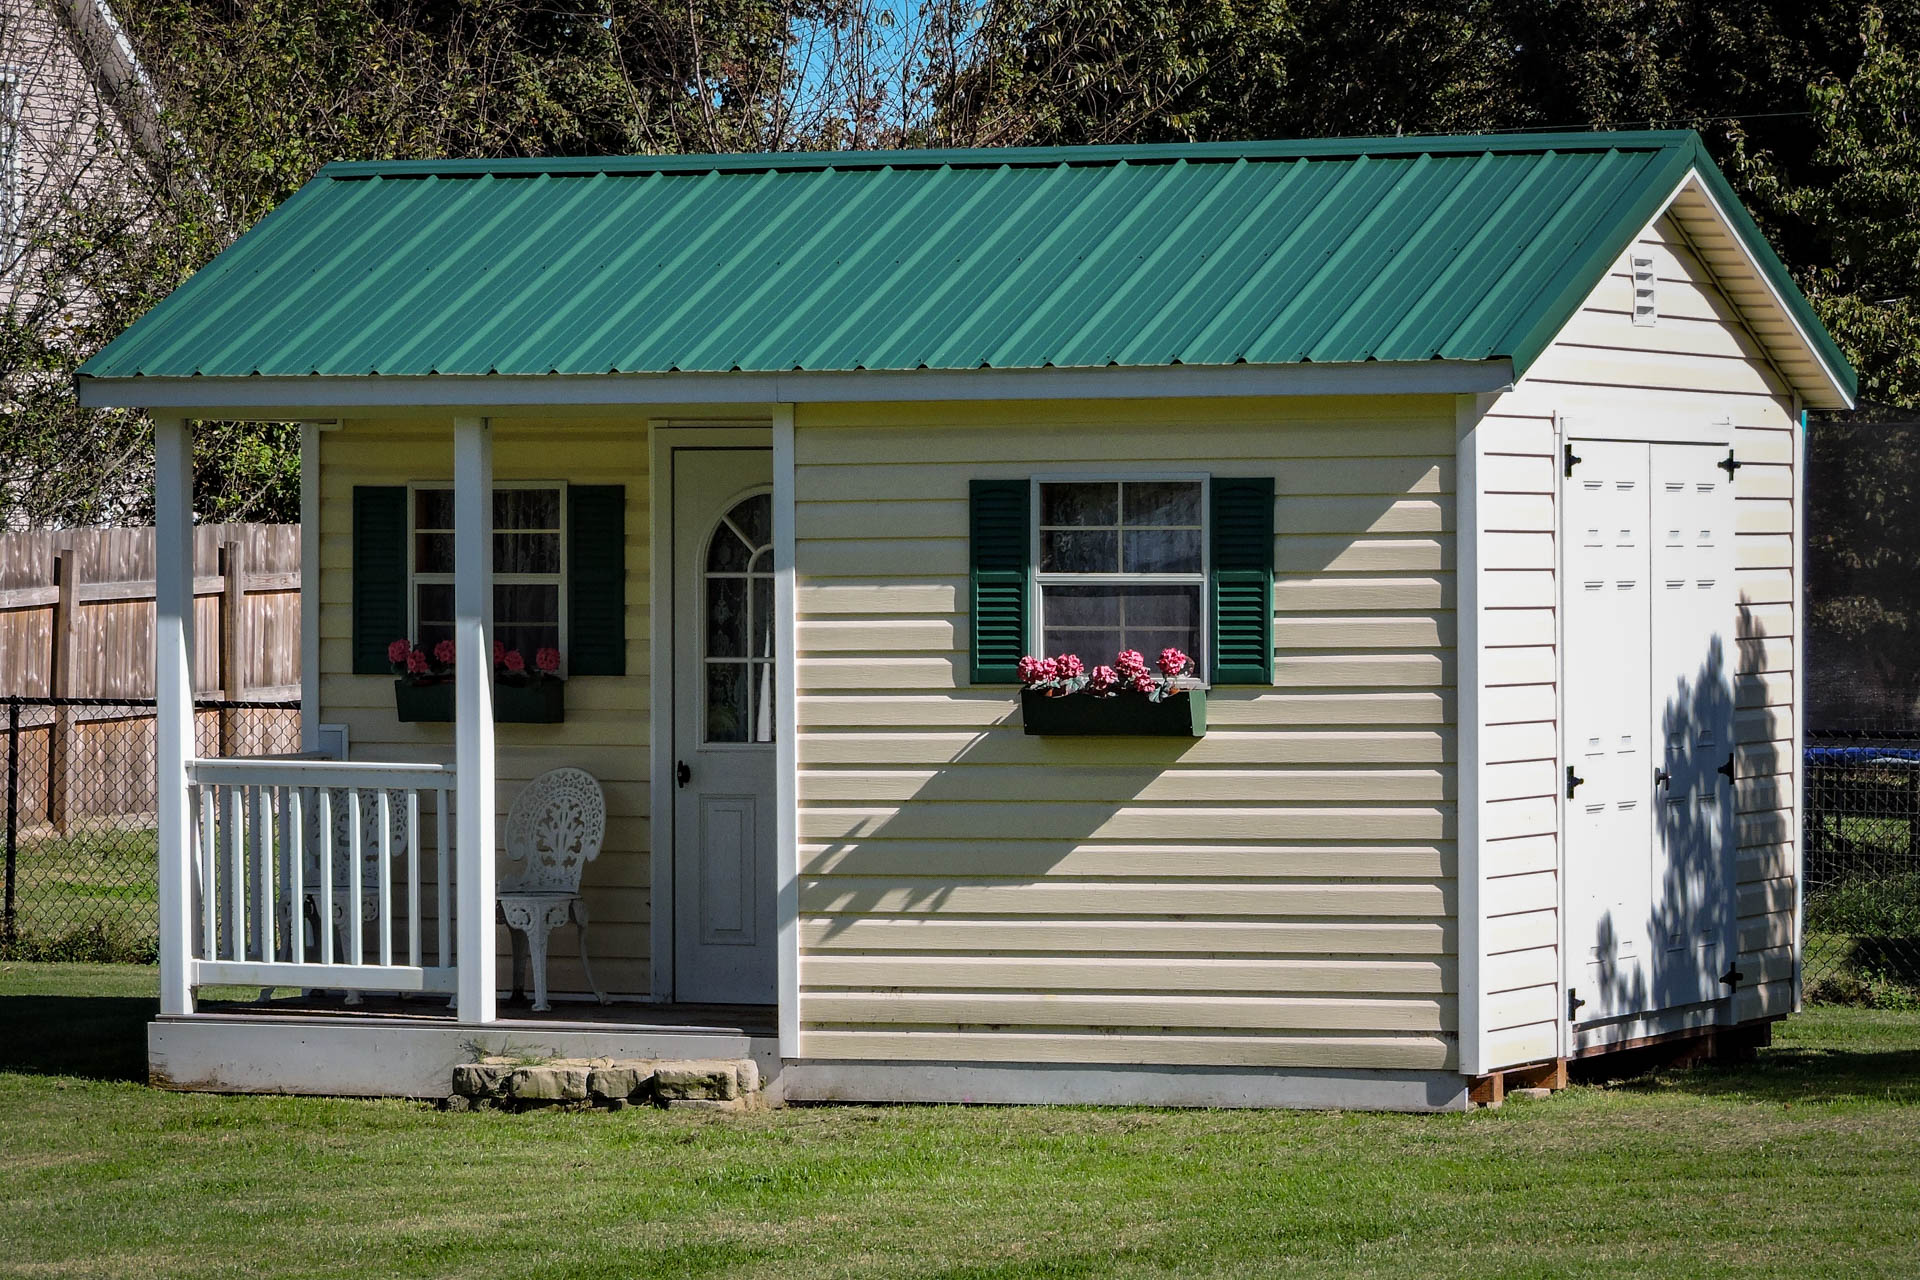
(173, 716)
(786, 749)
(1469, 714)
(309, 586)
(473, 717)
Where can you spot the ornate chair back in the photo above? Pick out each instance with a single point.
(340, 801)
(554, 828)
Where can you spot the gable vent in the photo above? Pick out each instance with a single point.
(1645, 309)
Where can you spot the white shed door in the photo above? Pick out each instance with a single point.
(723, 728)
(1649, 606)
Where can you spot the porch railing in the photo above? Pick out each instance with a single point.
(313, 873)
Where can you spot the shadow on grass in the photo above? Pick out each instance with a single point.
(96, 1037)
(1794, 1074)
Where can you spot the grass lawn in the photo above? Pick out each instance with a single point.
(1807, 1164)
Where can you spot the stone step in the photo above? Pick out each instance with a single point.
(695, 1084)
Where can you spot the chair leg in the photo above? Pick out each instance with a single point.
(586, 967)
(537, 954)
(517, 939)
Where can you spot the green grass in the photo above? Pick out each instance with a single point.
(1806, 1164)
(89, 896)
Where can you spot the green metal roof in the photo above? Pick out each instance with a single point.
(1465, 248)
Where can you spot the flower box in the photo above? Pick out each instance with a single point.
(1180, 715)
(539, 702)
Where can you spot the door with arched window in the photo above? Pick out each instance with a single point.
(724, 726)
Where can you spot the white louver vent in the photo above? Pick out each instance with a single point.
(1645, 309)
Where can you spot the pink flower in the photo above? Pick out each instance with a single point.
(516, 661)
(1129, 662)
(1101, 679)
(1069, 667)
(1141, 682)
(397, 652)
(548, 660)
(1029, 670)
(443, 653)
(1174, 663)
(417, 662)
(499, 653)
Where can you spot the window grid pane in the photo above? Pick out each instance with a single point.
(739, 678)
(1093, 538)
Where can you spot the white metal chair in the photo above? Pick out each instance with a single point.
(554, 828)
(373, 869)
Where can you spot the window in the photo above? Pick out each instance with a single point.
(527, 567)
(738, 653)
(1122, 565)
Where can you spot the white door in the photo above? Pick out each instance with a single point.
(723, 727)
(1649, 703)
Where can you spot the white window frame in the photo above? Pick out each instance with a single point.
(1037, 619)
(416, 578)
(11, 171)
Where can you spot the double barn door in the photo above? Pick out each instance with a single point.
(1650, 612)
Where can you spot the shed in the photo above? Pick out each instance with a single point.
(1466, 469)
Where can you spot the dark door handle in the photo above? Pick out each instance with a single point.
(1661, 777)
(684, 774)
(1573, 780)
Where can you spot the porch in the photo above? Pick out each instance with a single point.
(370, 883)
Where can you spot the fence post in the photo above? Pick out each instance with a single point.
(66, 577)
(7, 925)
(233, 610)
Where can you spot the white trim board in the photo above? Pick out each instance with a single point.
(1042, 1084)
(284, 398)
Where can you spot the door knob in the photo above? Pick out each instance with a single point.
(1661, 777)
(683, 773)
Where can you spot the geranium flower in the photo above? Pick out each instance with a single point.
(443, 653)
(1142, 682)
(1029, 670)
(499, 653)
(417, 664)
(1069, 667)
(1129, 662)
(1101, 679)
(516, 661)
(547, 660)
(397, 652)
(1174, 663)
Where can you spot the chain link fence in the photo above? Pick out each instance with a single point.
(1863, 868)
(81, 878)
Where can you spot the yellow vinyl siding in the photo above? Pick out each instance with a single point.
(1278, 893)
(606, 726)
(1697, 364)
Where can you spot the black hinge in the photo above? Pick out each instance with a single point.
(1574, 1002)
(1573, 780)
(1727, 768)
(1732, 978)
(1730, 464)
(1572, 459)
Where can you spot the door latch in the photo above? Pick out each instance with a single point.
(1727, 769)
(1574, 1002)
(1732, 978)
(684, 774)
(1573, 780)
(1661, 777)
(1730, 464)
(1572, 459)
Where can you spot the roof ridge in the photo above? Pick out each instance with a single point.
(994, 157)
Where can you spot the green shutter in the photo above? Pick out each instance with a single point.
(379, 575)
(999, 542)
(597, 580)
(1241, 593)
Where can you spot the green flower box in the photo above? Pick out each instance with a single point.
(1183, 715)
(539, 702)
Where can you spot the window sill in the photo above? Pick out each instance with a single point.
(1184, 715)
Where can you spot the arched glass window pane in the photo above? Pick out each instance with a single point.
(739, 630)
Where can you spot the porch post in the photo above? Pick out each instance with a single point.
(473, 716)
(309, 586)
(173, 693)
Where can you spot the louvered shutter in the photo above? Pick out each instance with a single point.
(1241, 591)
(379, 575)
(999, 542)
(597, 580)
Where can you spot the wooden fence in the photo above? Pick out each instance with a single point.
(77, 621)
